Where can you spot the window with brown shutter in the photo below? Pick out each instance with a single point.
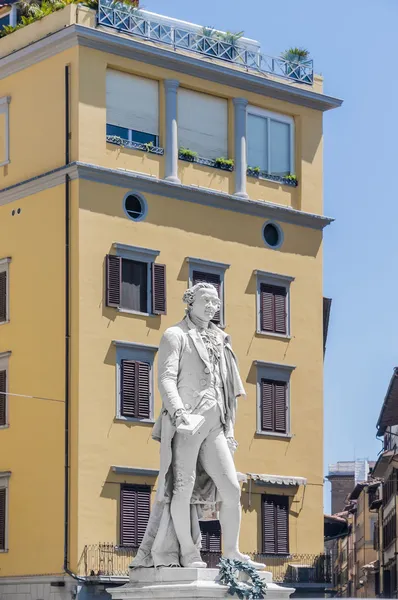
(273, 314)
(215, 279)
(128, 285)
(3, 296)
(275, 524)
(135, 507)
(3, 499)
(211, 536)
(273, 407)
(135, 389)
(3, 397)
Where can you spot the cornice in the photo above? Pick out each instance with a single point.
(197, 66)
(151, 185)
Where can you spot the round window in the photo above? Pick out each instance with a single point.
(273, 235)
(135, 207)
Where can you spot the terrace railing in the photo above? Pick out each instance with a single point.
(129, 20)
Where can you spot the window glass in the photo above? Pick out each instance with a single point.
(257, 142)
(121, 132)
(280, 147)
(134, 285)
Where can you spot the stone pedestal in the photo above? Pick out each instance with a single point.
(185, 584)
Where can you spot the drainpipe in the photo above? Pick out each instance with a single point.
(67, 323)
(240, 119)
(171, 150)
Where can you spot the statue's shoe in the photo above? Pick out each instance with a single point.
(246, 559)
(192, 561)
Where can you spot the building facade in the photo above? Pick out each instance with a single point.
(145, 166)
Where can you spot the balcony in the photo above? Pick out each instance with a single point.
(108, 562)
(199, 40)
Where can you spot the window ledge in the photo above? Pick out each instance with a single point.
(206, 162)
(274, 434)
(5, 426)
(280, 336)
(118, 141)
(4, 322)
(268, 177)
(136, 312)
(133, 420)
(3, 551)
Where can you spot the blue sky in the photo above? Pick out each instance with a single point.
(352, 44)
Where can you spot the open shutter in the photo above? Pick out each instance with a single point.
(267, 405)
(3, 519)
(282, 525)
(143, 390)
(113, 280)
(128, 386)
(199, 277)
(280, 406)
(3, 397)
(269, 526)
(273, 308)
(134, 514)
(158, 289)
(3, 296)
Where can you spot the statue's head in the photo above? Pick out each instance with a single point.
(202, 300)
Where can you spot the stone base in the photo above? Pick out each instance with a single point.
(185, 584)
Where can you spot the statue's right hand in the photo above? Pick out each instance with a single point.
(182, 418)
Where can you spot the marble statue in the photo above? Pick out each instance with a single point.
(197, 375)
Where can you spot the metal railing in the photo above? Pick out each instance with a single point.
(109, 560)
(129, 20)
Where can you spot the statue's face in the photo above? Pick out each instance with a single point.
(206, 304)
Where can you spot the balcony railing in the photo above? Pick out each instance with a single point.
(128, 20)
(110, 561)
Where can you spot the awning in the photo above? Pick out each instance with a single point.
(286, 480)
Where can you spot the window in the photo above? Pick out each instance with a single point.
(134, 282)
(134, 381)
(210, 272)
(135, 507)
(211, 536)
(135, 207)
(207, 133)
(132, 107)
(4, 131)
(4, 290)
(275, 521)
(4, 389)
(270, 142)
(4, 477)
(8, 14)
(273, 235)
(389, 529)
(273, 398)
(273, 303)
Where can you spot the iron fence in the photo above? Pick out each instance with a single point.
(128, 20)
(109, 560)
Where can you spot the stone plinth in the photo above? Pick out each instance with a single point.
(185, 584)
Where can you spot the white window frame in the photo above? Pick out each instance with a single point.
(4, 366)
(5, 108)
(276, 372)
(143, 353)
(145, 255)
(4, 479)
(210, 266)
(269, 115)
(4, 267)
(281, 281)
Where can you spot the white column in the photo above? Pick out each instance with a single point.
(171, 149)
(240, 105)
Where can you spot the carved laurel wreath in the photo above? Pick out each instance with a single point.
(229, 575)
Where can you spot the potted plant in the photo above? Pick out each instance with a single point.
(227, 164)
(205, 39)
(187, 154)
(232, 39)
(294, 57)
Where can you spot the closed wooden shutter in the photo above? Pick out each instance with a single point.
(3, 493)
(275, 517)
(158, 289)
(3, 296)
(135, 507)
(201, 276)
(273, 308)
(132, 102)
(113, 280)
(135, 389)
(3, 397)
(273, 406)
(211, 536)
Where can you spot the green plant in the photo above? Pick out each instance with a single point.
(187, 154)
(256, 589)
(224, 162)
(255, 170)
(290, 177)
(295, 54)
(229, 37)
(148, 146)
(114, 139)
(208, 32)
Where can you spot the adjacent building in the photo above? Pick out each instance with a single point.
(138, 155)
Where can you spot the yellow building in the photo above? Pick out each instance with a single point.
(118, 191)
